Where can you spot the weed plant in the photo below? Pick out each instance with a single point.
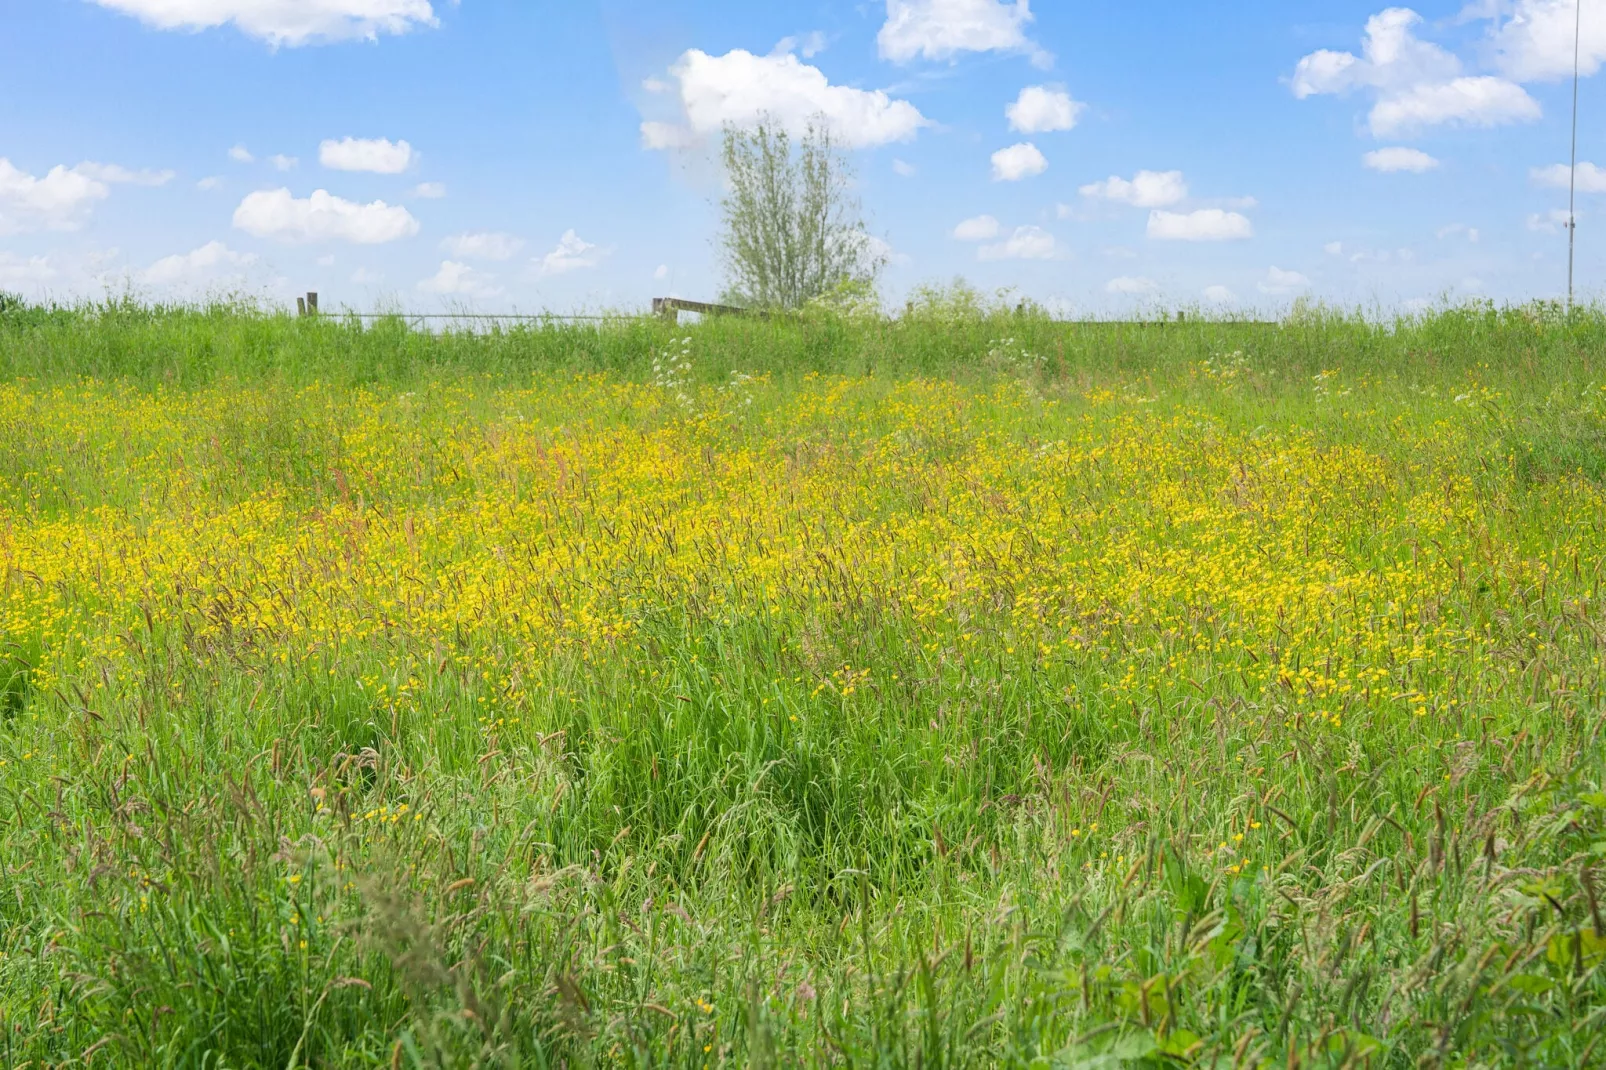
(963, 689)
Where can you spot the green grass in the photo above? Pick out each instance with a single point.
(707, 842)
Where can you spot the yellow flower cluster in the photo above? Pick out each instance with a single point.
(492, 529)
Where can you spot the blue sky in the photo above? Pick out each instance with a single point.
(1092, 154)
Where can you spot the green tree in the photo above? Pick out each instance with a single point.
(793, 231)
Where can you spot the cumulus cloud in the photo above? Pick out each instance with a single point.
(1127, 284)
(941, 29)
(430, 191)
(378, 155)
(1018, 162)
(572, 254)
(904, 169)
(1533, 39)
(282, 162)
(204, 264)
(1219, 295)
(279, 215)
(1027, 243)
(241, 154)
(1279, 282)
(60, 200)
(1041, 109)
(1146, 189)
(209, 183)
(1591, 179)
(740, 88)
(483, 245)
(1415, 84)
(981, 228)
(284, 22)
(1391, 160)
(1206, 224)
(455, 279)
(1485, 101)
(34, 272)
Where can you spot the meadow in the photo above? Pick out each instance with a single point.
(966, 688)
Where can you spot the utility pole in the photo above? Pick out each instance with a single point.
(1572, 178)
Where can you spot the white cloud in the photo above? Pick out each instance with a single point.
(1027, 243)
(112, 173)
(456, 279)
(1381, 256)
(1459, 229)
(207, 262)
(322, 217)
(880, 250)
(739, 88)
(210, 182)
(1220, 295)
(1018, 162)
(1127, 284)
(1391, 160)
(572, 254)
(661, 273)
(284, 22)
(1334, 248)
(1485, 101)
(1146, 189)
(941, 29)
(60, 200)
(241, 154)
(1416, 84)
(1551, 222)
(808, 46)
(64, 196)
(282, 162)
(1206, 224)
(903, 169)
(32, 273)
(430, 191)
(1041, 109)
(1534, 39)
(664, 137)
(1278, 282)
(483, 245)
(1591, 179)
(378, 155)
(981, 228)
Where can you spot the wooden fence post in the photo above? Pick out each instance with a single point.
(301, 306)
(312, 303)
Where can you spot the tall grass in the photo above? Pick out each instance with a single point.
(189, 347)
(963, 689)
